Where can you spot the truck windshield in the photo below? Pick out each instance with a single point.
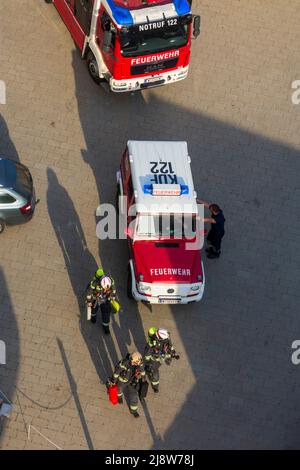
(136, 43)
(166, 226)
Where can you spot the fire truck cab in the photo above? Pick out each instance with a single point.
(132, 44)
(159, 203)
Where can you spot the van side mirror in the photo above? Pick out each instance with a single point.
(196, 26)
(107, 41)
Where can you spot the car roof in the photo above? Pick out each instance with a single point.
(142, 157)
(7, 173)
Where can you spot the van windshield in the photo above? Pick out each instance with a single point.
(166, 226)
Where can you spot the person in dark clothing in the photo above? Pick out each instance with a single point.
(159, 349)
(101, 293)
(128, 374)
(217, 231)
(105, 308)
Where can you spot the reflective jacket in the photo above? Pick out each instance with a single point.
(159, 350)
(126, 372)
(95, 285)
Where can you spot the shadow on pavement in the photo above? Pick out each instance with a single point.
(95, 108)
(7, 148)
(73, 388)
(8, 322)
(10, 336)
(80, 265)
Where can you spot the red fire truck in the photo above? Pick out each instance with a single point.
(132, 44)
(159, 204)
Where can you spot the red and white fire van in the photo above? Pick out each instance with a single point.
(159, 202)
(132, 44)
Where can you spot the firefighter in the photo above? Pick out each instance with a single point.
(159, 349)
(100, 281)
(128, 374)
(102, 293)
(216, 233)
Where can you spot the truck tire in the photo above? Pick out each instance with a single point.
(48, 1)
(2, 226)
(129, 284)
(93, 68)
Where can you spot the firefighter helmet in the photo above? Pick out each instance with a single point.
(152, 331)
(99, 273)
(162, 333)
(106, 282)
(136, 357)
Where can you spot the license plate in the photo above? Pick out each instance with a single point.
(169, 301)
(152, 82)
(153, 79)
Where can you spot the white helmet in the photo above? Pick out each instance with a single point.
(106, 282)
(162, 333)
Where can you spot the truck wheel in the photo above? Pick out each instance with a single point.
(93, 68)
(48, 1)
(129, 285)
(2, 225)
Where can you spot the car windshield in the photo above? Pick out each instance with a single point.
(166, 226)
(23, 184)
(136, 43)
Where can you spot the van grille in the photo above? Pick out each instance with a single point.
(154, 66)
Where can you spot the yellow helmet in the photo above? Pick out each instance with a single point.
(152, 331)
(99, 273)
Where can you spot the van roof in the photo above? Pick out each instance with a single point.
(162, 168)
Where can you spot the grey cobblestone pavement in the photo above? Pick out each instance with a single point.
(235, 385)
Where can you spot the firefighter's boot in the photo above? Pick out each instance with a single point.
(135, 414)
(155, 388)
(120, 400)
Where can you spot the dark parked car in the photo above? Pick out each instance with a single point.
(17, 195)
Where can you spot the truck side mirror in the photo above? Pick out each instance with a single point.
(107, 41)
(196, 26)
